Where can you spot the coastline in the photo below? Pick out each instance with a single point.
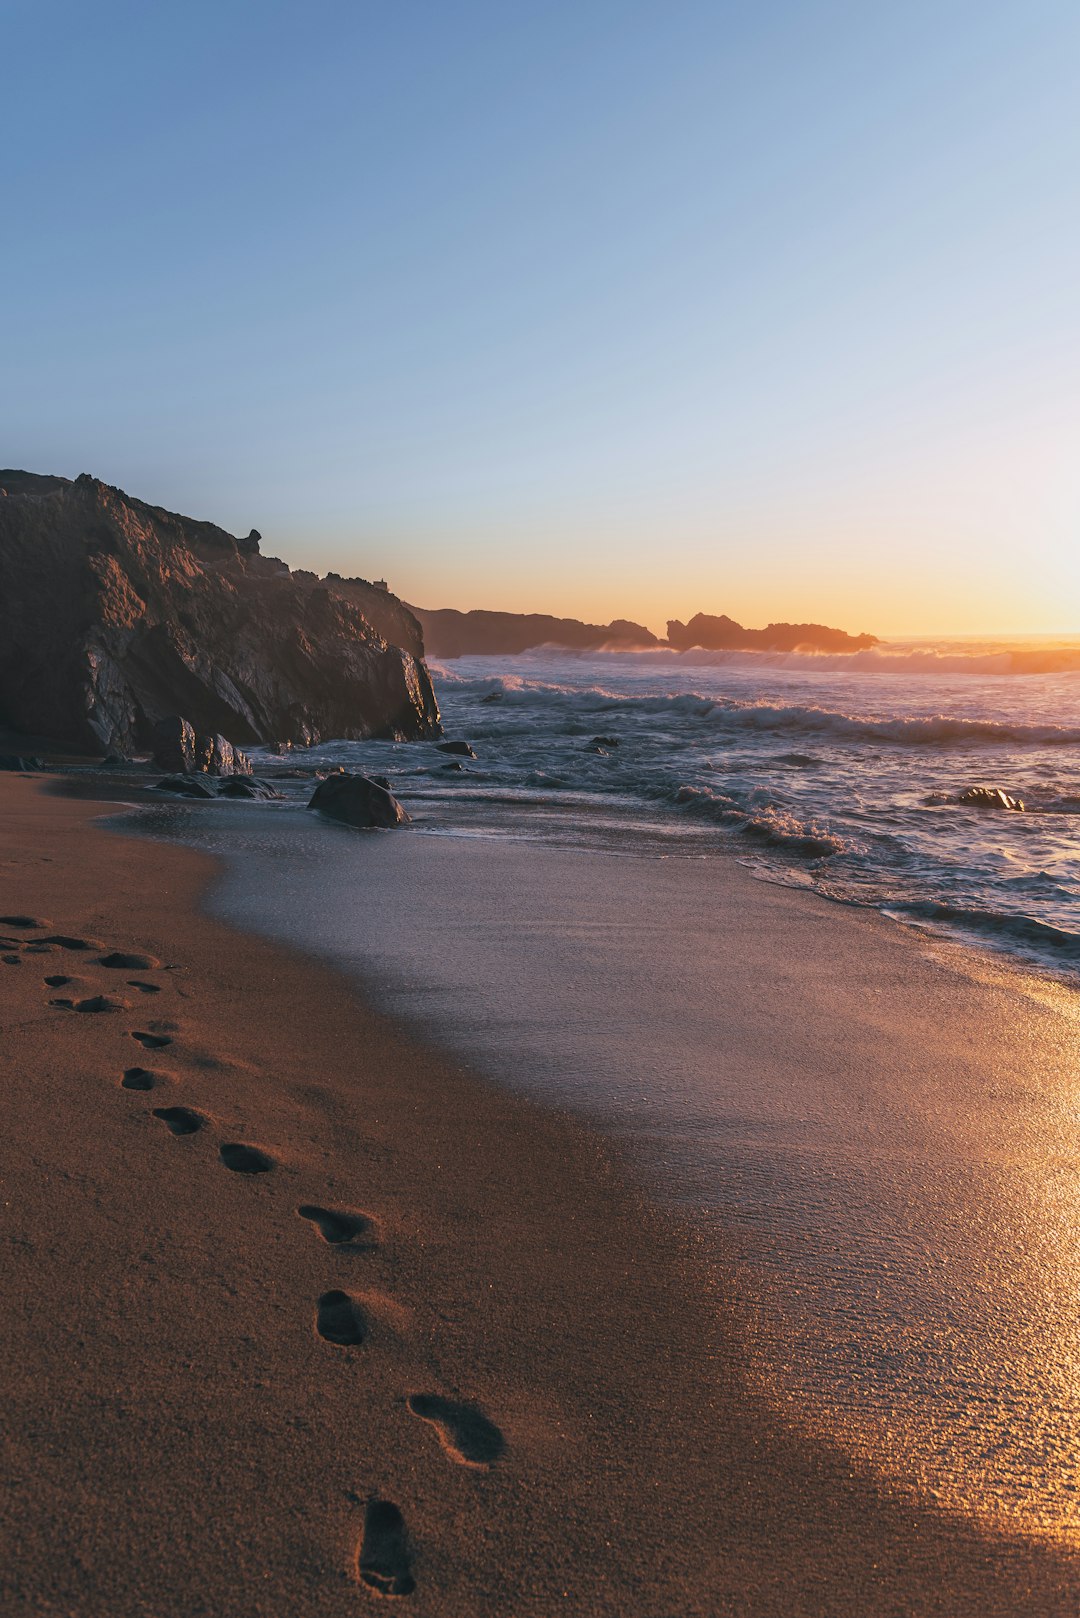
(181, 1440)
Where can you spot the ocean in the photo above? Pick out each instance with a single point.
(842, 774)
(597, 910)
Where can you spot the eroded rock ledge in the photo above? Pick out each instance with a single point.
(115, 615)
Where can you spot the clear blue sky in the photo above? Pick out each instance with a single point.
(590, 307)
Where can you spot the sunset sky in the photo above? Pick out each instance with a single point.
(588, 307)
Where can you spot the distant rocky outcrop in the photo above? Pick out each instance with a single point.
(723, 634)
(115, 615)
(449, 633)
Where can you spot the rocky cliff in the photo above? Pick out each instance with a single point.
(716, 634)
(115, 615)
(449, 633)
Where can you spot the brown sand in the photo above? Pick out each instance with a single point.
(180, 1440)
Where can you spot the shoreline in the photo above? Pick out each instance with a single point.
(183, 1441)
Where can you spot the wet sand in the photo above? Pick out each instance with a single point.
(504, 1385)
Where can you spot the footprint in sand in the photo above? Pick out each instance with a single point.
(339, 1226)
(383, 1562)
(152, 1042)
(140, 1078)
(245, 1159)
(339, 1319)
(129, 961)
(59, 981)
(95, 1004)
(144, 988)
(65, 941)
(181, 1120)
(11, 960)
(22, 922)
(464, 1432)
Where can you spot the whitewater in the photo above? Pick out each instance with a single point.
(840, 774)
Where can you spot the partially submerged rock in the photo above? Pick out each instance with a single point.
(187, 786)
(990, 798)
(462, 749)
(358, 801)
(247, 786)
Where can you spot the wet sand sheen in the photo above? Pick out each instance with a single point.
(889, 1149)
(547, 1410)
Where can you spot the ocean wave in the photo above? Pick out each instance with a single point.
(905, 657)
(913, 730)
(883, 660)
(774, 827)
(583, 704)
(1039, 937)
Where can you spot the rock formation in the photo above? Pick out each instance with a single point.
(115, 615)
(179, 750)
(449, 633)
(991, 798)
(358, 801)
(717, 634)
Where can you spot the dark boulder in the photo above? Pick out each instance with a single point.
(187, 786)
(462, 749)
(990, 798)
(358, 801)
(604, 741)
(247, 786)
(493, 696)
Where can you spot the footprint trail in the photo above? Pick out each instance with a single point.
(464, 1432)
(339, 1319)
(181, 1120)
(339, 1226)
(384, 1563)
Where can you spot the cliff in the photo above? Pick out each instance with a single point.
(716, 634)
(115, 614)
(449, 633)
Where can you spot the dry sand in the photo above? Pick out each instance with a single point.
(545, 1410)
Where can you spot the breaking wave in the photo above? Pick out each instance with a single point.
(769, 825)
(588, 704)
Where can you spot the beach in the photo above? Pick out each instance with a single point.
(546, 1403)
